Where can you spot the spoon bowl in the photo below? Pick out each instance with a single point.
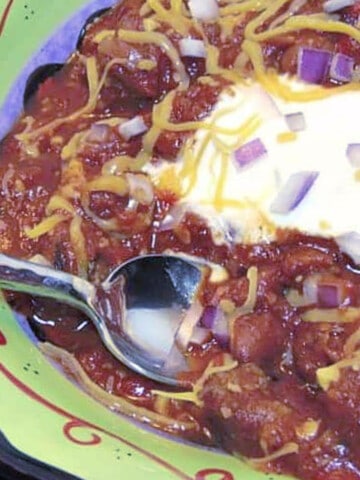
(132, 302)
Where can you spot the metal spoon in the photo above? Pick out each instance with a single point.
(152, 282)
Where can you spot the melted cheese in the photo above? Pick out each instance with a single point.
(108, 183)
(194, 395)
(172, 16)
(78, 243)
(328, 375)
(163, 42)
(46, 226)
(286, 449)
(57, 202)
(331, 315)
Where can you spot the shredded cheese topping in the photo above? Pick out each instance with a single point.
(194, 395)
(286, 449)
(328, 375)
(175, 18)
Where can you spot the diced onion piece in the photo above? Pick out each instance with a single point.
(313, 64)
(250, 152)
(98, 133)
(208, 317)
(140, 188)
(293, 192)
(221, 330)
(191, 319)
(191, 47)
(296, 121)
(132, 128)
(353, 154)
(329, 296)
(310, 290)
(342, 67)
(214, 319)
(152, 330)
(326, 294)
(334, 5)
(349, 243)
(204, 10)
(173, 218)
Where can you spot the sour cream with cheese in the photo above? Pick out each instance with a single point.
(241, 198)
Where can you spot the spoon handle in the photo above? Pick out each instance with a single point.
(39, 280)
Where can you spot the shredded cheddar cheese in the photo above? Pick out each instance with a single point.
(286, 449)
(57, 202)
(193, 396)
(328, 375)
(331, 315)
(108, 183)
(78, 243)
(163, 42)
(45, 226)
(172, 16)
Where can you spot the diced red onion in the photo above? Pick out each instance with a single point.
(189, 322)
(353, 154)
(140, 187)
(215, 320)
(204, 10)
(334, 5)
(329, 296)
(208, 317)
(342, 67)
(173, 218)
(313, 64)
(98, 133)
(349, 243)
(132, 128)
(250, 152)
(293, 192)
(310, 290)
(296, 121)
(191, 47)
(326, 295)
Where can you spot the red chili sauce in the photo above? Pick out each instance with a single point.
(272, 398)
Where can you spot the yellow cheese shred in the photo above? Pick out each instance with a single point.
(163, 42)
(287, 449)
(302, 22)
(121, 164)
(108, 183)
(114, 402)
(103, 35)
(274, 85)
(242, 7)
(193, 395)
(327, 375)
(331, 315)
(78, 243)
(45, 226)
(58, 202)
(172, 16)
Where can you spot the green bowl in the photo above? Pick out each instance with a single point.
(43, 415)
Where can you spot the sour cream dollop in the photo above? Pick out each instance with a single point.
(240, 198)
